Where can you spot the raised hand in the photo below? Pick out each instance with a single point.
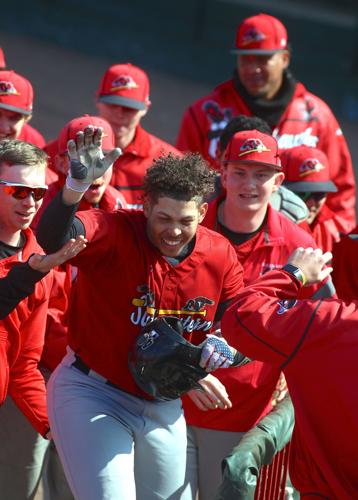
(87, 159)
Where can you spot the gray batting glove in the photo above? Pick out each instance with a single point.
(87, 159)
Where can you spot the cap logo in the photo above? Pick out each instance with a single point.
(251, 36)
(8, 88)
(253, 146)
(123, 82)
(310, 166)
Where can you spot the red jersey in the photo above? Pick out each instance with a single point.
(128, 282)
(30, 134)
(56, 329)
(315, 344)
(21, 343)
(130, 168)
(250, 387)
(307, 120)
(327, 229)
(345, 266)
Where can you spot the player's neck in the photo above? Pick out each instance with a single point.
(10, 238)
(241, 221)
(122, 141)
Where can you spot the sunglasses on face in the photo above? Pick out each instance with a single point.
(316, 196)
(21, 191)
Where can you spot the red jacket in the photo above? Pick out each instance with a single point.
(315, 344)
(21, 343)
(250, 387)
(307, 120)
(128, 282)
(130, 168)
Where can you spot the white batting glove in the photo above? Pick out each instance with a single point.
(216, 353)
(87, 159)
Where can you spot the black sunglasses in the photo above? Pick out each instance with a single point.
(316, 195)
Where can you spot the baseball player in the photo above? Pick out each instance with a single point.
(16, 107)
(123, 100)
(283, 199)
(263, 86)
(307, 173)
(22, 188)
(263, 239)
(115, 442)
(314, 342)
(39, 457)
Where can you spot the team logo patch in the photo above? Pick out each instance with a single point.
(285, 305)
(148, 340)
(253, 146)
(310, 166)
(123, 82)
(252, 36)
(197, 304)
(8, 88)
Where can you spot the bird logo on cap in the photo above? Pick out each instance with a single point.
(252, 36)
(253, 146)
(8, 88)
(310, 166)
(123, 82)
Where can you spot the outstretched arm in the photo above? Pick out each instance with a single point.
(20, 281)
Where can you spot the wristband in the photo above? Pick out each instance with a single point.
(75, 185)
(296, 272)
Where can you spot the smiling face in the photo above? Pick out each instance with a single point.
(249, 186)
(16, 215)
(262, 75)
(172, 224)
(11, 124)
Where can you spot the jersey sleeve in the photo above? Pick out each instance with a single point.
(266, 322)
(26, 384)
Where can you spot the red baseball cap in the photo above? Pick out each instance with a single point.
(307, 170)
(125, 85)
(260, 34)
(71, 128)
(2, 59)
(252, 146)
(16, 93)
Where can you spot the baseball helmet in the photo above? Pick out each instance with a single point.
(162, 362)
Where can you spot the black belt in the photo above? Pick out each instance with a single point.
(82, 367)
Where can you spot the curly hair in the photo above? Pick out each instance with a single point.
(183, 178)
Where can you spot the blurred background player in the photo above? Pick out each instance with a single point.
(123, 100)
(263, 86)
(307, 173)
(16, 108)
(263, 239)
